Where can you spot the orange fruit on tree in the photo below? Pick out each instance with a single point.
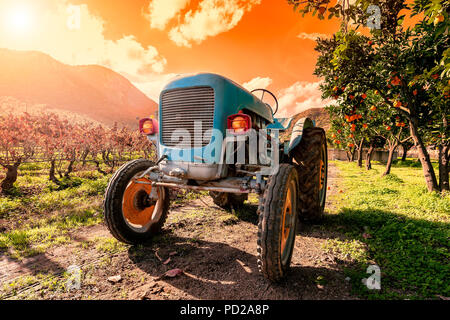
(415, 92)
(438, 19)
(397, 104)
(364, 96)
(373, 108)
(388, 128)
(395, 81)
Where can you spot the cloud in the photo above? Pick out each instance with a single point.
(211, 18)
(152, 86)
(73, 35)
(300, 96)
(312, 36)
(162, 11)
(257, 83)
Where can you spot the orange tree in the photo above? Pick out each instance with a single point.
(341, 136)
(349, 121)
(361, 119)
(402, 66)
(391, 128)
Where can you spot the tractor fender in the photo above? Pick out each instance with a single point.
(297, 132)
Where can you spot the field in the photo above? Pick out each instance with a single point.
(392, 222)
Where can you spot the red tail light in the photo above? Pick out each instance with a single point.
(239, 123)
(148, 126)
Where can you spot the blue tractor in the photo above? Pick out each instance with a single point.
(214, 135)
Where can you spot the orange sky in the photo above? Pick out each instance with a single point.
(264, 43)
(241, 39)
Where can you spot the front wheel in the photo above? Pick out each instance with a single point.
(133, 211)
(277, 223)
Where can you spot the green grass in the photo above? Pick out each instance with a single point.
(44, 213)
(44, 283)
(109, 245)
(37, 236)
(395, 223)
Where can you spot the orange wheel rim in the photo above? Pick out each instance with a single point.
(133, 204)
(322, 174)
(286, 228)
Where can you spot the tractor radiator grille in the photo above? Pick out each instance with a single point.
(184, 109)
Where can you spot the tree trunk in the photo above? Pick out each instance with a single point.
(360, 151)
(11, 177)
(52, 176)
(83, 158)
(405, 151)
(443, 167)
(69, 168)
(424, 157)
(390, 158)
(97, 164)
(369, 157)
(351, 155)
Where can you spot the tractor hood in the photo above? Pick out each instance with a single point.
(206, 98)
(230, 97)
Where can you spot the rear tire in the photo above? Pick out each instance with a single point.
(277, 223)
(115, 197)
(311, 156)
(227, 200)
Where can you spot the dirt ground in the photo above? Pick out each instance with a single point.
(215, 249)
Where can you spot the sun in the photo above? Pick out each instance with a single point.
(19, 19)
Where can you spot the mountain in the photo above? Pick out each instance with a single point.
(92, 91)
(320, 115)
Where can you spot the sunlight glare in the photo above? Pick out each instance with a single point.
(19, 19)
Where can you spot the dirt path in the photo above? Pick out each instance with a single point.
(215, 249)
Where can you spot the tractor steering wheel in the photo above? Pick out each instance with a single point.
(262, 97)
